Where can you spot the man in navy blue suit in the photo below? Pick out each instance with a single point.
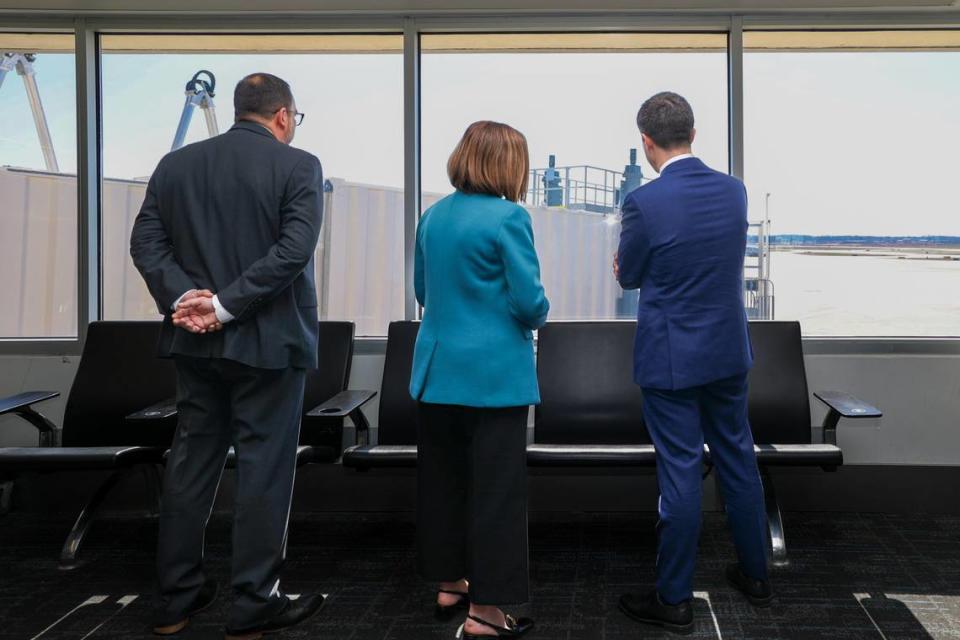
(682, 245)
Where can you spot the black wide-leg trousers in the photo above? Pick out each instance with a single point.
(472, 500)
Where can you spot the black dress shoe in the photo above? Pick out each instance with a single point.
(207, 596)
(515, 628)
(294, 613)
(445, 612)
(648, 608)
(758, 592)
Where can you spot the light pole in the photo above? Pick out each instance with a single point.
(766, 229)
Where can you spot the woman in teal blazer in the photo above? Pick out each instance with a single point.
(478, 278)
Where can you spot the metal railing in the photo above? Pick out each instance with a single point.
(758, 290)
(759, 299)
(597, 190)
(582, 187)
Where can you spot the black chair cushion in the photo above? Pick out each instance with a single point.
(597, 455)
(379, 456)
(588, 396)
(77, 458)
(799, 455)
(305, 455)
(591, 455)
(398, 411)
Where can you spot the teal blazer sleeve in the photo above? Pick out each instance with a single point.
(528, 301)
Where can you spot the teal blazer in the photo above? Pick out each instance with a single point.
(477, 276)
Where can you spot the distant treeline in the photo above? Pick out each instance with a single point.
(880, 241)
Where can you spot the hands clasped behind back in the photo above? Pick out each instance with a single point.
(196, 313)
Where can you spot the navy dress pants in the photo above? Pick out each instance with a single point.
(679, 422)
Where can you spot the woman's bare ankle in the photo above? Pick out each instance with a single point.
(448, 599)
(490, 614)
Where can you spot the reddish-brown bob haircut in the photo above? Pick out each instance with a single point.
(491, 158)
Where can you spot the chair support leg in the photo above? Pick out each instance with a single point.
(154, 479)
(6, 497)
(71, 548)
(778, 541)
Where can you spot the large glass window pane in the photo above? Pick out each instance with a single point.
(575, 97)
(851, 142)
(350, 88)
(38, 186)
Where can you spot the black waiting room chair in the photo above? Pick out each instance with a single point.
(327, 393)
(590, 411)
(780, 415)
(397, 422)
(326, 401)
(118, 372)
(590, 414)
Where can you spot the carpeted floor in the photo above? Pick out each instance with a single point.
(851, 576)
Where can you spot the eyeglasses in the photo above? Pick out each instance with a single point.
(297, 116)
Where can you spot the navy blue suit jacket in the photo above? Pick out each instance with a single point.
(682, 244)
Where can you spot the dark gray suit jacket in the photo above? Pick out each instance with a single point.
(238, 214)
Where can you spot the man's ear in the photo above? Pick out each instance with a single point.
(280, 119)
(693, 134)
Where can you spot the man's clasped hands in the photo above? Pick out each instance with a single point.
(195, 312)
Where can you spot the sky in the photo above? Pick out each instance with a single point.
(858, 143)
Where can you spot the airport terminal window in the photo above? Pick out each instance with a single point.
(350, 87)
(575, 97)
(38, 186)
(850, 144)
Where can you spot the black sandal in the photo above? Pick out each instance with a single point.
(514, 629)
(447, 612)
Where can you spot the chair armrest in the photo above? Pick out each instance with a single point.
(11, 404)
(846, 405)
(21, 405)
(842, 405)
(342, 404)
(347, 404)
(163, 409)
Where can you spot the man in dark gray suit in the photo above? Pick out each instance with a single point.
(225, 241)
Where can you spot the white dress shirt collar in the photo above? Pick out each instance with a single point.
(682, 156)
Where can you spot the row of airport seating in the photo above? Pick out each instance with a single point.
(590, 415)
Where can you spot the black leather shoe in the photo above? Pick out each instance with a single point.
(758, 592)
(648, 608)
(294, 613)
(206, 597)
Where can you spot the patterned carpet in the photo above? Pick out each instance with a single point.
(851, 576)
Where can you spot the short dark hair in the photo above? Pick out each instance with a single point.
(261, 94)
(667, 119)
